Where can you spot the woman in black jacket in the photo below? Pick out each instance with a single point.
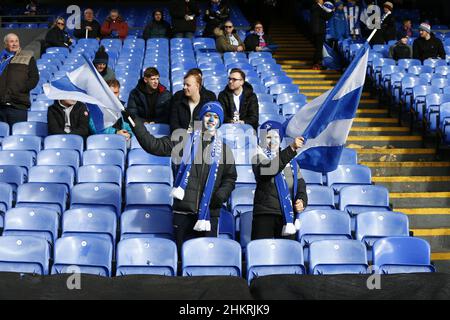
(272, 167)
(57, 36)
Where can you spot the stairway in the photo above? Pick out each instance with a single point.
(419, 185)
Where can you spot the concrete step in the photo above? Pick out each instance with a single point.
(420, 199)
(414, 183)
(428, 218)
(394, 155)
(410, 168)
(375, 131)
(374, 122)
(389, 141)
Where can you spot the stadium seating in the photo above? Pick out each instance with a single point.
(356, 199)
(147, 195)
(52, 174)
(66, 141)
(146, 223)
(97, 195)
(20, 142)
(100, 174)
(50, 196)
(56, 157)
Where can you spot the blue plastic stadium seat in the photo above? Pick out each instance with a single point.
(97, 195)
(348, 157)
(4, 130)
(38, 222)
(211, 256)
(65, 141)
(158, 129)
(401, 255)
(273, 256)
(24, 254)
(30, 128)
(63, 175)
(50, 196)
(357, 199)
(100, 174)
(24, 159)
(147, 223)
(241, 200)
(22, 142)
(141, 157)
(312, 177)
(151, 256)
(37, 116)
(328, 257)
(12, 175)
(345, 175)
(107, 142)
(148, 195)
(320, 197)
(104, 157)
(92, 255)
(227, 227)
(245, 176)
(284, 98)
(92, 221)
(149, 174)
(6, 197)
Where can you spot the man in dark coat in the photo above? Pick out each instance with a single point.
(388, 29)
(184, 14)
(215, 16)
(258, 40)
(18, 76)
(158, 27)
(427, 45)
(68, 117)
(150, 100)
(90, 25)
(319, 17)
(239, 102)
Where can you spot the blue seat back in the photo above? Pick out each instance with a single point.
(56, 157)
(104, 156)
(64, 141)
(100, 174)
(141, 157)
(13, 175)
(30, 128)
(107, 141)
(348, 157)
(22, 142)
(148, 195)
(355, 199)
(97, 195)
(50, 196)
(147, 223)
(149, 174)
(349, 175)
(52, 174)
(320, 197)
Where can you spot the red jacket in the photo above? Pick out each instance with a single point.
(118, 25)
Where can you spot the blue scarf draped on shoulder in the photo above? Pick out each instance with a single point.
(5, 59)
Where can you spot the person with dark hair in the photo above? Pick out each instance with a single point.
(238, 100)
(257, 40)
(405, 28)
(114, 26)
(216, 15)
(227, 39)
(427, 45)
(101, 64)
(280, 189)
(68, 117)
(186, 103)
(18, 76)
(401, 50)
(201, 187)
(319, 16)
(57, 36)
(184, 18)
(388, 29)
(32, 8)
(150, 100)
(89, 27)
(158, 27)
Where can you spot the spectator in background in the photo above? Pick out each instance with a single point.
(319, 16)
(257, 40)
(239, 102)
(31, 9)
(353, 15)
(184, 18)
(401, 50)
(88, 26)
(101, 64)
(228, 40)
(216, 15)
(158, 27)
(338, 24)
(150, 100)
(186, 104)
(57, 36)
(18, 76)
(427, 45)
(405, 28)
(388, 26)
(68, 117)
(114, 26)
(120, 127)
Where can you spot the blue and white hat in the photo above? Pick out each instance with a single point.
(328, 6)
(214, 107)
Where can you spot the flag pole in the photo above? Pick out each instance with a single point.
(375, 30)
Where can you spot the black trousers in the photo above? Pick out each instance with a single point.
(318, 41)
(11, 115)
(268, 227)
(183, 225)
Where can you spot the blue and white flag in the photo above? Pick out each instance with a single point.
(86, 85)
(325, 122)
(331, 60)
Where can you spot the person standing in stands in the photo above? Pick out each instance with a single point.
(158, 27)
(401, 50)
(150, 100)
(88, 26)
(319, 16)
(68, 117)
(388, 26)
(101, 64)
(238, 100)
(216, 15)
(57, 36)
(18, 76)
(114, 26)
(353, 15)
(280, 189)
(338, 24)
(227, 39)
(427, 45)
(257, 40)
(184, 18)
(201, 188)
(186, 104)
(31, 9)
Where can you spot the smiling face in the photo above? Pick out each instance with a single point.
(228, 26)
(100, 67)
(273, 140)
(191, 87)
(60, 23)
(12, 43)
(211, 121)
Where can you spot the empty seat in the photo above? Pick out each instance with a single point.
(320, 197)
(348, 157)
(65, 141)
(337, 257)
(356, 199)
(97, 195)
(92, 255)
(147, 256)
(20, 142)
(4, 130)
(37, 116)
(108, 157)
(242, 200)
(107, 141)
(6, 198)
(211, 256)
(312, 177)
(13, 175)
(38, 222)
(24, 254)
(227, 227)
(93, 221)
(245, 176)
(345, 175)
(55, 157)
(52, 174)
(50, 196)
(148, 195)
(146, 223)
(158, 129)
(100, 174)
(402, 255)
(30, 128)
(274, 256)
(149, 174)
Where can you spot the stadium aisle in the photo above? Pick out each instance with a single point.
(419, 185)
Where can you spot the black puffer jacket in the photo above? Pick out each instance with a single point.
(248, 111)
(18, 79)
(57, 38)
(81, 33)
(266, 195)
(319, 19)
(225, 181)
(432, 48)
(178, 10)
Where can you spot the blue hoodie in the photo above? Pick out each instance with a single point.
(338, 25)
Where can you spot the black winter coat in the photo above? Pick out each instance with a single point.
(387, 32)
(138, 104)
(319, 18)
(266, 195)
(18, 79)
(226, 175)
(155, 29)
(79, 120)
(180, 113)
(249, 109)
(252, 41)
(57, 38)
(424, 49)
(95, 33)
(178, 11)
(216, 19)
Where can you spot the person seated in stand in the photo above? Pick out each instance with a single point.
(401, 50)
(427, 45)
(257, 40)
(101, 64)
(88, 26)
(68, 117)
(227, 39)
(57, 36)
(114, 26)
(158, 27)
(216, 15)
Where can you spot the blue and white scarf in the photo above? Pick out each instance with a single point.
(182, 179)
(5, 59)
(284, 195)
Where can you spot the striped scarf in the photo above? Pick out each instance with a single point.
(5, 59)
